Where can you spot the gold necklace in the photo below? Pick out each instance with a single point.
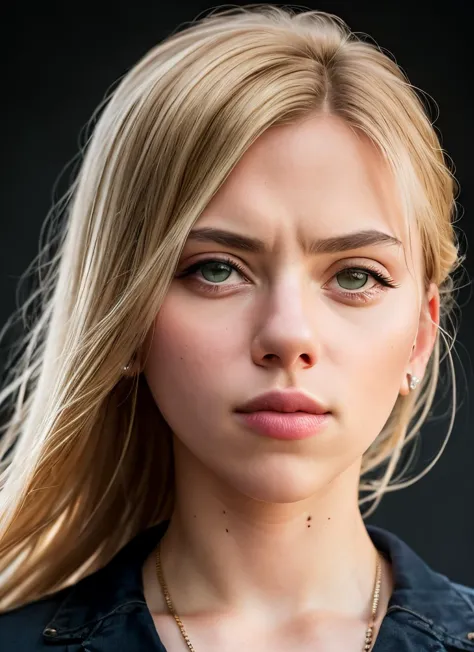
(368, 635)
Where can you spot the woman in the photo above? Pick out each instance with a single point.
(243, 318)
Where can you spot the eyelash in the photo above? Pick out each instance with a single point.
(383, 280)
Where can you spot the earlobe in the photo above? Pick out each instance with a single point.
(413, 381)
(424, 340)
(407, 384)
(131, 368)
(410, 383)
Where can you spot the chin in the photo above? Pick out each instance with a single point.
(273, 485)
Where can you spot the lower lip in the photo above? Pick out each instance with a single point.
(285, 425)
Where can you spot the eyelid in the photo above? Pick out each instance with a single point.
(231, 258)
(356, 261)
(189, 270)
(382, 279)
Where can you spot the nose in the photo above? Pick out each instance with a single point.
(285, 333)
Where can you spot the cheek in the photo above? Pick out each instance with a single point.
(373, 362)
(190, 359)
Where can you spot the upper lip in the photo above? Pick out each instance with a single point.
(284, 401)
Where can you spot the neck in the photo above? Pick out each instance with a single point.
(254, 557)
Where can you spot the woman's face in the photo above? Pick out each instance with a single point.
(322, 321)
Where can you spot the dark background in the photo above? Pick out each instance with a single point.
(59, 62)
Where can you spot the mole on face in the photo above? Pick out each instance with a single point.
(308, 519)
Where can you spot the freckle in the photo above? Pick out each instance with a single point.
(223, 511)
(329, 518)
(194, 515)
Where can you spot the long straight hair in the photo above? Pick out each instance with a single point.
(87, 458)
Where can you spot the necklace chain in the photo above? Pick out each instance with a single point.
(368, 635)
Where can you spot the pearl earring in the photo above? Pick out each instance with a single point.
(413, 381)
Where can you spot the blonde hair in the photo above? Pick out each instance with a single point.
(84, 469)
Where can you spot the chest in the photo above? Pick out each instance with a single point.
(229, 636)
(138, 630)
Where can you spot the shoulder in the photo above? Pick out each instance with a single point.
(21, 629)
(467, 592)
(69, 615)
(425, 599)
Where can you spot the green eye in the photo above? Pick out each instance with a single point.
(353, 279)
(215, 272)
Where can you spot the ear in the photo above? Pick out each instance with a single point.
(144, 348)
(138, 360)
(425, 337)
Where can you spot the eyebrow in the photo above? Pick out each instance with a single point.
(336, 244)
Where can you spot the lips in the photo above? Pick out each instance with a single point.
(284, 401)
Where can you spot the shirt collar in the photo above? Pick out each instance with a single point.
(423, 592)
(419, 590)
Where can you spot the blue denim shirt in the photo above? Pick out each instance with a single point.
(107, 612)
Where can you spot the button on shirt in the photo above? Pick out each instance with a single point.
(107, 612)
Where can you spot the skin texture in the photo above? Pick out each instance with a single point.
(266, 546)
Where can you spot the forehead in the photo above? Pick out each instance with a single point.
(315, 178)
